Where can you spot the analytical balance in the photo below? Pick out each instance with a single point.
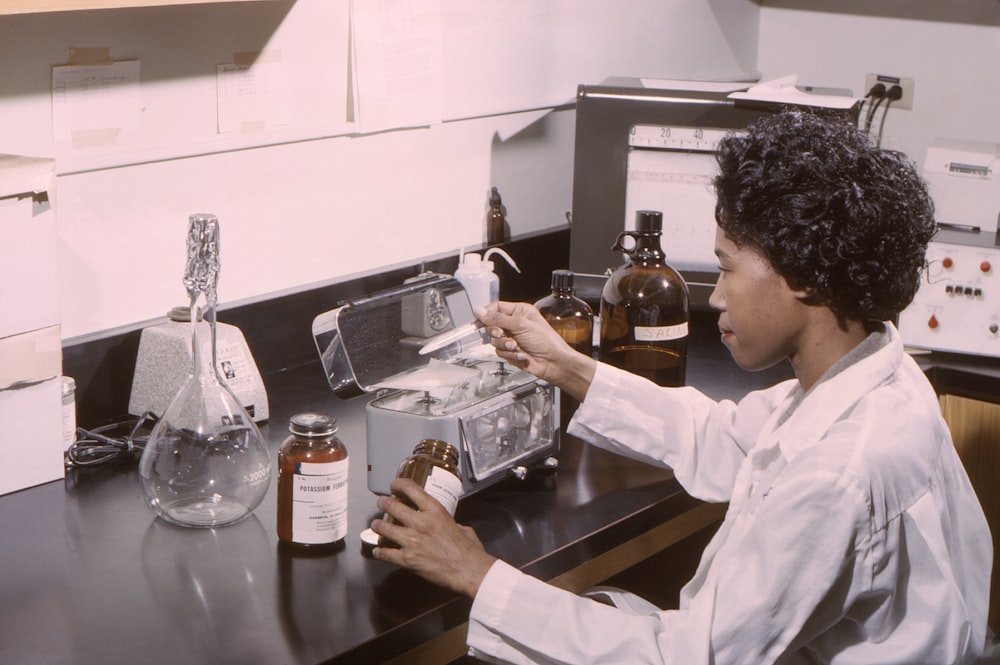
(503, 420)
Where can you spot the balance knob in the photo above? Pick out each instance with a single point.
(932, 322)
(985, 266)
(994, 328)
(947, 262)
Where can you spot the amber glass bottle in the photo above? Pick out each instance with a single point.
(312, 484)
(645, 308)
(496, 220)
(573, 319)
(434, 466)
(569, 316)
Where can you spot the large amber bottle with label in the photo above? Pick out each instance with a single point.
(645, 308)
(312, 484)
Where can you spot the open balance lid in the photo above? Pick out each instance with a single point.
(375, 342)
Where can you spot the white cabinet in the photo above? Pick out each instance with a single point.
(45, 6)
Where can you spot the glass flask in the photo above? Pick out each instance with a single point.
(205, 464)
(645, 308)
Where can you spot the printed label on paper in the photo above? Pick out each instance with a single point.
(661, 333)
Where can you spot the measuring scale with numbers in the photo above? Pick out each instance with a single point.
(671, 168)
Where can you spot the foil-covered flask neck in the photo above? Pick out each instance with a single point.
(202, 272)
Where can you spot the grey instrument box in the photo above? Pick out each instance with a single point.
(499, 417)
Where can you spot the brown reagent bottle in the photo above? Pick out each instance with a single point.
(312, 484)
(645, 308)
(434, 466)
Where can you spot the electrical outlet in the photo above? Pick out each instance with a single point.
(904, 102)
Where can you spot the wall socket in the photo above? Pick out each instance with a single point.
(904, 102)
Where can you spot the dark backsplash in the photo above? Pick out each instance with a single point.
(278, 331)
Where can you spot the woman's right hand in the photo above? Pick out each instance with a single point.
(524, 338)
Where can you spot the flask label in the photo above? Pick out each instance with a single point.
(319, 502)
(445, 487)
(661, 333)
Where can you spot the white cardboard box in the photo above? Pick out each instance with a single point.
(31, 442)
(29, 245)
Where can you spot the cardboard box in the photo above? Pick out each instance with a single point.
(31, 443)
(30, 357)
(29, 245)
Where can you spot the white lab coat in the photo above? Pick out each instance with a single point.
(853, 535)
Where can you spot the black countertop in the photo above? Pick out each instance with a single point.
(90, 576)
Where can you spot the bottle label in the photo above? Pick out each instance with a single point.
(445, 487)
(319, 502)
(661, 333)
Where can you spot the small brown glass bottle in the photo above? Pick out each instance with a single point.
(434, 466)
(645, 308)
(569, 316)
(496, 220)
(312, 484)
(573, 319)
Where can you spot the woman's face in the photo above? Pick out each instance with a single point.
(761, 318)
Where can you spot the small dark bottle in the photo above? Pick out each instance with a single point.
(573, 319)
(645, 308)
(434, 466)
(496, 220)
(569, 316)
(312, 484)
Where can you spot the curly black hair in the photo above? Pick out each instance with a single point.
(831, 211)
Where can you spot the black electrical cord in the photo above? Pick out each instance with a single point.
(892, 94)
(110, 443)
(876, 94)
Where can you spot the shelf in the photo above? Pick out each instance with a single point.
(8, 7)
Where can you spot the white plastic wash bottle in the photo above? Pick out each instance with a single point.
(476, 274)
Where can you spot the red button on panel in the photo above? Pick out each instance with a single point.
(985, 266)
(947, 262)
(932, 322)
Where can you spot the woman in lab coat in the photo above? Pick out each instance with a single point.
(853, 534)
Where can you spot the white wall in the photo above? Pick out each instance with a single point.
(301, 204)
(951, 50)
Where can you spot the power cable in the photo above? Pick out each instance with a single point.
(876, 95)
(893, 94)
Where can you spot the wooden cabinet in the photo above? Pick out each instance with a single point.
(975, 428)
(46, 6)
